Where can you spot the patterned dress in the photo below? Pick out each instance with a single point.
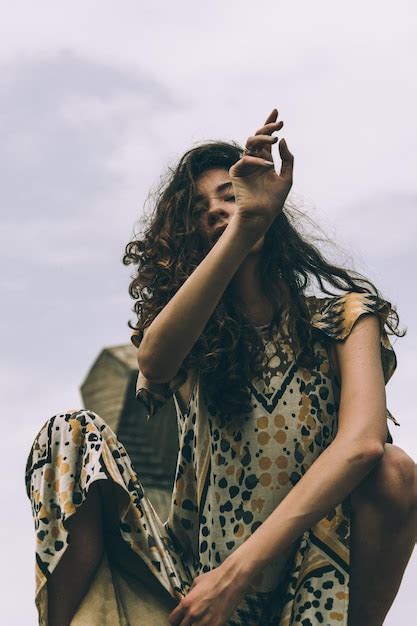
(230, 476)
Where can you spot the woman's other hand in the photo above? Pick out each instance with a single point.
(259, 191)
(211, 599)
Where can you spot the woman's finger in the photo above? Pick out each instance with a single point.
(287, 158)
(256, 142)
(272, 116)
(268, 129)
(249, 164)
(260, 146)
(177, 615)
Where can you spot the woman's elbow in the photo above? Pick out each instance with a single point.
(366, 453)
(152, 370)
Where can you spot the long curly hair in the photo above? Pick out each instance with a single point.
(228, 354)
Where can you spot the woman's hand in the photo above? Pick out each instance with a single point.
(259, 191)
(212, 598)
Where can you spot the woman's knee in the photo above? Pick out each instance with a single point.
(391, 486)
(59, 441)
(77, 422)
(82, 416)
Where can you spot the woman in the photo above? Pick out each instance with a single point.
(286, 490)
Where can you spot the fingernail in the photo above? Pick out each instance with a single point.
(268, 162)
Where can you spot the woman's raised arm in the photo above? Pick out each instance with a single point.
(177, 327)
(260, 195)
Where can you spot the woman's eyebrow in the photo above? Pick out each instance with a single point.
(223, 187)
(219, 189)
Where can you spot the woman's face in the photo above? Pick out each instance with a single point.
(215, 205)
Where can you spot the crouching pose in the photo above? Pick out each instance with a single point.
(290, 505)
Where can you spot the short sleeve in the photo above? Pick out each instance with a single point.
(151, 395)
(336, 317)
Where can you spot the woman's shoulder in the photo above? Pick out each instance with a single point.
(336, 315)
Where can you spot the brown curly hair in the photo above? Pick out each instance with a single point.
(229, 351)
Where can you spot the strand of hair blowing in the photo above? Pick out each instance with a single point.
(229, 352)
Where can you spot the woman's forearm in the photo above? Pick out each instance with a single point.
(176, 329)
(331, 478)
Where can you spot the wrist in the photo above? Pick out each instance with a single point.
(240, 570)
(247, 230)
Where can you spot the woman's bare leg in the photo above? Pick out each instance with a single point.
(384, 528)
(73, 575)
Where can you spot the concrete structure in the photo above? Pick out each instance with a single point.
(109, 390)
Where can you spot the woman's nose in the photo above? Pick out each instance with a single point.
(217, 214)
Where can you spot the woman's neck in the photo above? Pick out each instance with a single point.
(247, 289)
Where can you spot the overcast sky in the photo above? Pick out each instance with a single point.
(99, 97)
